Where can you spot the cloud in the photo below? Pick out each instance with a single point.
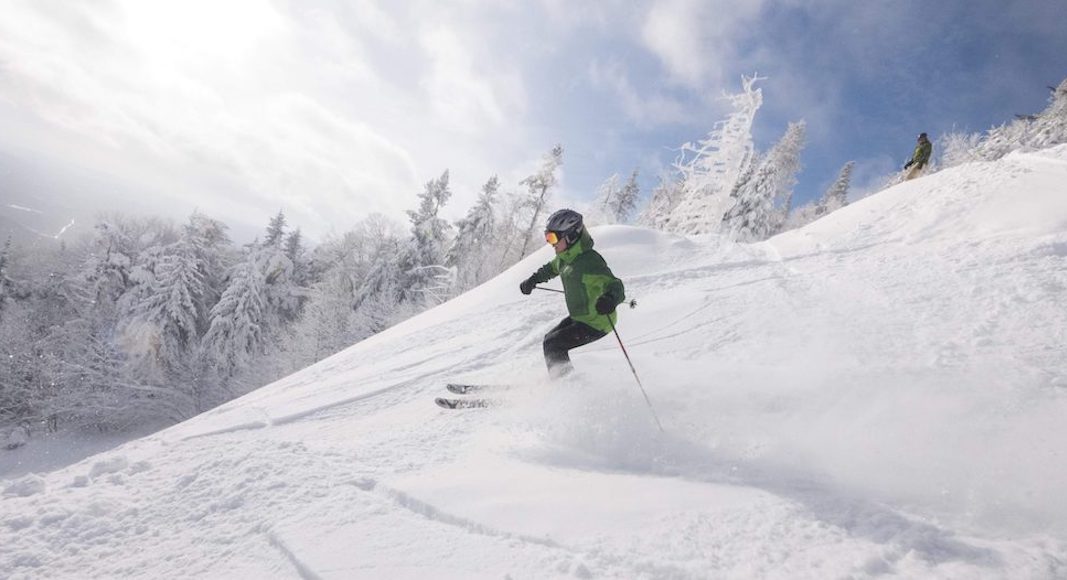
(694, 39)
(332, 111)
(461, 96)
(646, 110)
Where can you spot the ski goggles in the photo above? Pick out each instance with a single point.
(552, 238)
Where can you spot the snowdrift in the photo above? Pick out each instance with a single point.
(880, 393)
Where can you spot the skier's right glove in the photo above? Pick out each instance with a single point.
(606, 304)
(527, 286)
(908, 164)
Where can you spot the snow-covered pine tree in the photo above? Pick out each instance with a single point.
(251, 317)
(600, 212)
(327, 324)
(665, 197)
(426, 280)
(836, 196)
(106, 274)
(750, 216)
(283, 297)
(294, 250)
(511, 228)
(538, 185)
(19, 369)
(6, 285)
(470, 255)
(763, 197)
(215, 255)
(89, 376)
(21, 331)
(710, 168)
(615, 201)
(75, 311)
(162, 337)
(786, 156)
(241, 320)
(166, 323)
(627, 201)
(275, 230)
(333, 317)
(378, 297)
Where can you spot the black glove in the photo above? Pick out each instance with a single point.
(908, 164)
(605, 304)
(527, 286)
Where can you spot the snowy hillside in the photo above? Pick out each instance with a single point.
(880, 393)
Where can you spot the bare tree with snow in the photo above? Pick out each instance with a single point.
(538, 186)
(710, 168)
(1039, 131)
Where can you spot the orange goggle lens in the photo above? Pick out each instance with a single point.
(551, 238)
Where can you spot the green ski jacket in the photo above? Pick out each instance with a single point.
(921, 155)
(585, 277)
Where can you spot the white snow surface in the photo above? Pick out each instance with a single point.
(882, 393)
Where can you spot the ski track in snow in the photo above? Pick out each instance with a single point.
(879, 394)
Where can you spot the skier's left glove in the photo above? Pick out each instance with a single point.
(527, 286)
(908, 164)
(606, 304)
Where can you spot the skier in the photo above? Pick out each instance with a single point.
(590, 289)
(919, 158)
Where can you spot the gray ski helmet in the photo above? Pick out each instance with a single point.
(567, 224)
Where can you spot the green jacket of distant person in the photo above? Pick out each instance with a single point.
(921, 156)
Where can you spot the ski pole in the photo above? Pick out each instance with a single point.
(633, 304)
(634, 371)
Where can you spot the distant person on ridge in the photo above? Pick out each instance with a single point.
(590, 289)
(919, 158)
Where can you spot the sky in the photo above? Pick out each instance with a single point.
(330, 111)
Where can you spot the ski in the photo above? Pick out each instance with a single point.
(463, 403)
(465, 388)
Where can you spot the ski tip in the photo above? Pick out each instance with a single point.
(459, 389)
(467, 388)
(462, 403)
(446, 403)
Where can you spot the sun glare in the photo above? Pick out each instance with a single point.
(194, 30)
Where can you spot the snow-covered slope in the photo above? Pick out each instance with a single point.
(880, 393)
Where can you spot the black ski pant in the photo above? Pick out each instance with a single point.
(566, 335)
